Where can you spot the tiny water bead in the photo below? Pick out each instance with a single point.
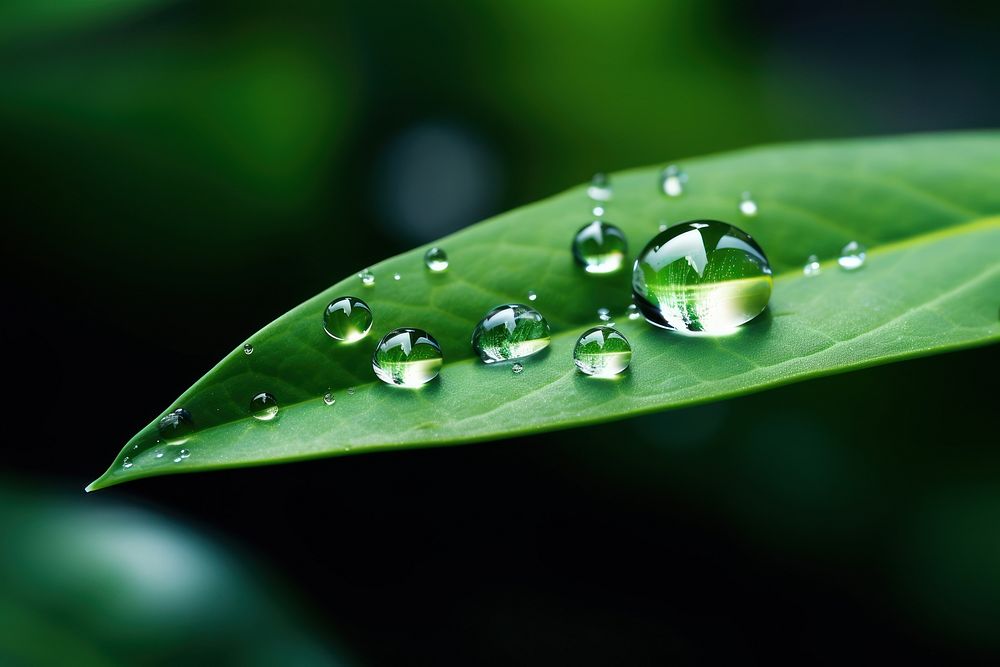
(184, 453)
(436, 260)
(396, 276)
(672, 180)
(126, 463)
(812, 266)
(511, 331)
(248, 349)
(347, 319)
(159, 454)
(852, 256)
(264, 407)
(176, 426)
(600, 247)
(701, 276)
(517, 368)
(329, 398)
(748, 207)
(598, 211)
(350, 391)
(633, 312)
(602, 352)
(367, 278)
(532, 295)
(600, 187)
(407, 358)
(603, 314)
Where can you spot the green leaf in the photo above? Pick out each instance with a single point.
(926, 207)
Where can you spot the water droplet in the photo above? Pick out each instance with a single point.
(598, 211)
(812, 266)
(177, 459)
(329, 398)
(248, 349)
(663, 226)
(852, 256)
(264, 407)
(633, 312)
(176, 427)
(184, 453)
(748, 207)
(532, 295)
(159, 454)
(600, 187)
(600, 247)
(367, 278)
(517, 368)
(407, 358)
(436, 260)
(701, 276)
(602, 352)
(347, 319)
(350, 391)
(396, 276)
(510, 332)
(603, 314)
(672, 180)
(126, 463)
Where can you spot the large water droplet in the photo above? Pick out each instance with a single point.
(672, 180)
(248, 349)
(407, 358)
(264, 407)
(812, 266)
(367, 278)
(436, 260)
(852, 256)
(748, 207)
(329, 398)
(176, 427)
(347, 318)
(600, 188)
(701, 276)
(602, 352)
(509, 332)
(600, 247)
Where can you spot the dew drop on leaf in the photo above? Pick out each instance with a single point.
(510, 332)
(347, 319)
(602, 352)
(600, 187)
(599, 247)
(748, 207)
(852, 256)
(672, 180)
(407, 357)
(264, 407)
(436, 260)
(812, 267)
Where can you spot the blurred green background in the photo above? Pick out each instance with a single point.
(176, 174)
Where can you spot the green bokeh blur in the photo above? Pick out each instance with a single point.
(177, 174)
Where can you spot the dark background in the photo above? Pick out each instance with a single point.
(177, 174)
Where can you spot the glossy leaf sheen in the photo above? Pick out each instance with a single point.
(927, 208)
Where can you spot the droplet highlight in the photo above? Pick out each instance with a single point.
(511, 331)
(264, 407)
(396, 276)
(633, 312)
(748, 207)
(701, 276)
(852, 256)
(600, 187)
(672, 181)
(600, 247)
(407, 358)
(436, 260)
(347, 319)
(812, 267)
(532, 295)
(602, 352)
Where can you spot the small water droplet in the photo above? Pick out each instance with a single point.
(176, 427)
(436, 260)
(329, 398)
(852, 256)
(663, 227)
(350, 391)
(812, 266)
(367, 278)
(177, 459)
(264, 407)
(510, 332)
(396, 276)
(347, 319)
(126, 463)
(602, 352)
(704, 276)
(184, 453)
(672, 180)
(748, 207)
(159, 455)
(600, 187)
(603, 314)
(600, 247)
(598, 211)
(248, 349)
(407, 358)
(517, 368)
(532, 295)
(633, 312)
